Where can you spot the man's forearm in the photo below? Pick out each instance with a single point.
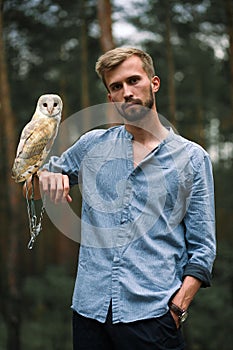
(186, 293)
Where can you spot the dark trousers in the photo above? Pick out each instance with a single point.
(152, 334)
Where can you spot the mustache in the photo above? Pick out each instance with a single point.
(130, 101)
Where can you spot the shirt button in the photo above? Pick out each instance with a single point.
(123, 221)
(116, 259)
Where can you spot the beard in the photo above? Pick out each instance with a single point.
(135, 109)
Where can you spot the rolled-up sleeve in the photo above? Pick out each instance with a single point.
(199, 224)
(68, 163)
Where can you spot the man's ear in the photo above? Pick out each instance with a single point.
(155, 83)
(109, 97)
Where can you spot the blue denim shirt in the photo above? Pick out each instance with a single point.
(143, 228)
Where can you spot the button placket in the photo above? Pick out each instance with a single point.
(121, 238)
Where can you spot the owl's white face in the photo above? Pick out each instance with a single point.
(50, 105)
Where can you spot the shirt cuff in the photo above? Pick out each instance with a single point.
(198, 272)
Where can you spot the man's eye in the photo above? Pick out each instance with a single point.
(116, 87)
(133, 80)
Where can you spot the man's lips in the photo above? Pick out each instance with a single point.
(127, 105)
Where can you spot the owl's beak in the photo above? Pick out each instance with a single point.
(50, 110)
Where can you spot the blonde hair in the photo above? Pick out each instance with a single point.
(115, 57)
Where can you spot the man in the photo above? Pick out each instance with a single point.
(148, 231)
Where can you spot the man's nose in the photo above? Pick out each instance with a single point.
(127, 91)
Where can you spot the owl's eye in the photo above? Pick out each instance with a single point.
(55, 104)
(45, 104)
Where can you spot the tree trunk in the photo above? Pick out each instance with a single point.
(104, 14)
(229, 16)
(170, 67)
(84, 59)
(199, 127)
(12, 202)
(85, 98)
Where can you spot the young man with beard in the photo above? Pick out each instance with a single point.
(148, 231)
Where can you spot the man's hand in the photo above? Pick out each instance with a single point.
(176, 319)
(55, 186)
(185, 295)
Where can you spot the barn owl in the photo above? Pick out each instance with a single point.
(37, 137)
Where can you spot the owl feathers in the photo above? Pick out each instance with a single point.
(37, 137)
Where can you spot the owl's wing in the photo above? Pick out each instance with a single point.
(35, 143)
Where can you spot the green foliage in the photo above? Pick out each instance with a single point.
(3, 333)
(46, 314)
(43, 45)
(224, 200)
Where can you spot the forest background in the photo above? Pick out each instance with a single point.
(52, 46)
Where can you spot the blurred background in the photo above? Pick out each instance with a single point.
(52, 46)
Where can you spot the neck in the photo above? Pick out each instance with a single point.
(149, 130)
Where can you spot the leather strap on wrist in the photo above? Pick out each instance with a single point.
(181, 313)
